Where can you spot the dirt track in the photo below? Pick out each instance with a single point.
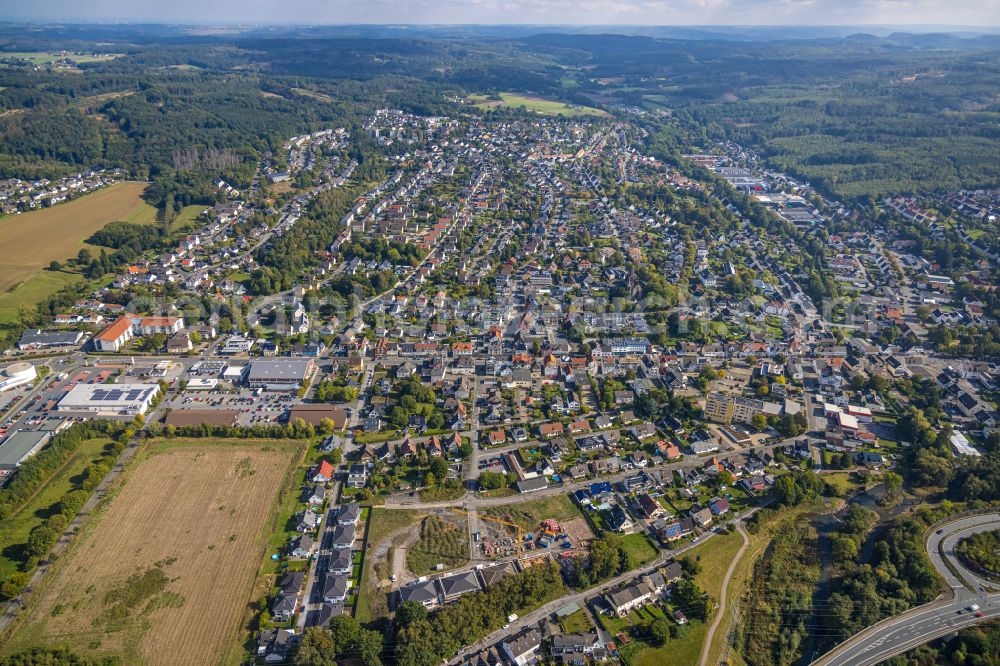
(197, 512)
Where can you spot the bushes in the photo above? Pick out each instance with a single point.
(440, 542)
(425, 642)
(780, 598)
(38, 469)
(14, 584)
(982, 550)
(792, 489)
(327, 391)
(898, 575)
(297, 429)
(608, 557)
(46, 656)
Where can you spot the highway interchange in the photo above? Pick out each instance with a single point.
(945, 615)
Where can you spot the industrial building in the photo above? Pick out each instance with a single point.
(109, 399)
(39, 339)
(284, 374)
(20, 446)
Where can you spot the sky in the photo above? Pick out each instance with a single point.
(976, 13)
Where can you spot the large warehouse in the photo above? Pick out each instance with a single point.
(109, 398)
(279, 374)
(20, 446)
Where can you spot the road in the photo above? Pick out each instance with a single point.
(471, 501)
(535, 616)
(15, 605)
(943, 616)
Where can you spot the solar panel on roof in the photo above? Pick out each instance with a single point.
(114, 394)
(99, 394)
(134, 394)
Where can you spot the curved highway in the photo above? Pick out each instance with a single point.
(945, 615)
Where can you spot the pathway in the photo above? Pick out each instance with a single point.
(706, 647)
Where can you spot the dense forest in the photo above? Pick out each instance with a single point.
(856, 116)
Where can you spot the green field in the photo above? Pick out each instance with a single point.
(40, 284)
(143, 213)
(33, 291)
(14, 530)
(186, 218)
(548, 107)
(63, 228)
(640, 549)
(46, 57)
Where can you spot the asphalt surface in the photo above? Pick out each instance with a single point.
(945, 615)
(584, 597)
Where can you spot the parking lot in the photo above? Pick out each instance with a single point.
(252, 408)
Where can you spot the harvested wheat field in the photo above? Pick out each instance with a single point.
(33, 240)
(165, 575)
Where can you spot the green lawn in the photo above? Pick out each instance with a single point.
(186, 218)
(685, 650)
(540, 105)
(33, 291)
(841, 481)
(577, 623)
(714, 556)
(14, 530)
(640, 549)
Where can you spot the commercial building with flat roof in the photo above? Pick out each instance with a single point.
(20, 446)
(279, 374)
(109, 398)
(314, 413)
(17, 374)
(39, 339)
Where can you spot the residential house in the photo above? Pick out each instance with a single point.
(522, 648)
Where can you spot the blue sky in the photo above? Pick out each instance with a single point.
(551, 12)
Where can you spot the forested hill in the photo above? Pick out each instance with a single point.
(858, 115)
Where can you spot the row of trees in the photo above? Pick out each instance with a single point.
(296, 429)
(43, 537)
(345, 638)
(425, 641)
(37, 470)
